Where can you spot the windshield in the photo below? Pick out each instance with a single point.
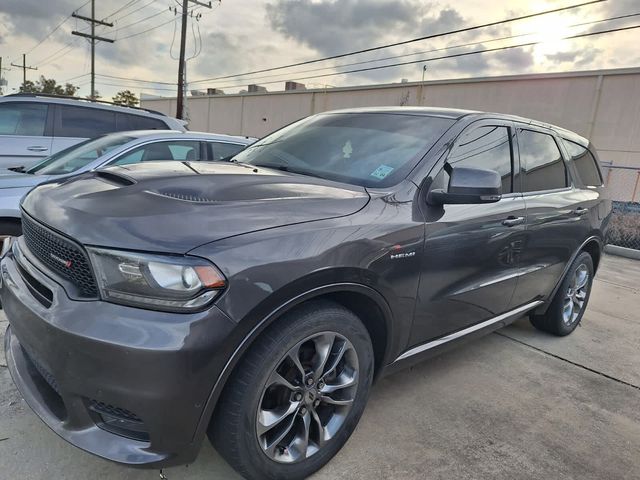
(81, 154)
(366, 149)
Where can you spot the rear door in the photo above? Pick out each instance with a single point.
(471, 254)
(557, 212)
(25, 133)
(76, 123)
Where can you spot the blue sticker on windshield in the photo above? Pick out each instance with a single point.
(381, 172)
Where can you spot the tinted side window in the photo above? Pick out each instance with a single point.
(179, 150)
(540, 162)
(23, 118)
(83, 122)
(138, 122)
(487, 148)
(585, 164)
(225, 150)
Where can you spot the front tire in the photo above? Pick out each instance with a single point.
(297, 395)
(570, 301)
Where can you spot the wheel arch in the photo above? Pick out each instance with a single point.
(367, 303)
(594, 247)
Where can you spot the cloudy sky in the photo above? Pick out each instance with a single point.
(239, 36)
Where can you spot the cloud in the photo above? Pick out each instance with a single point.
(35, 18)
(475, 64)
(579, 58)
(332, 27)
(518, 59)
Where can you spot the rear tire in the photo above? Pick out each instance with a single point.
(570, 301)
(297, 395)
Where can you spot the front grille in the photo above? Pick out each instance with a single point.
(61, 255)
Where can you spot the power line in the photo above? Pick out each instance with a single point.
(405, 42)
(123, 7)
(46, 60)
(128, 14)
(619, 17)
(135, 79)
(450, 47)
(55, 29)
(138, 21)
(77, 76)
(424, 60)
(122, 85)
(147, 31)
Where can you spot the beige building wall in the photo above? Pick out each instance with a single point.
(601, 105)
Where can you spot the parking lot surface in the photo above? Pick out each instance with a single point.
(516, 404)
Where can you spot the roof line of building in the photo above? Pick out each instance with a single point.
(496, 78)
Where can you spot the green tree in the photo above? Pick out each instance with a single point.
(50, 86)
(126, 98)
(29, 87)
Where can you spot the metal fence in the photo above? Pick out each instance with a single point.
(623, 186)
(623, 183)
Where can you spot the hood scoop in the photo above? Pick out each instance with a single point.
(116, 178)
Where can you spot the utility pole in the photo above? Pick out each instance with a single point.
(182, 65)
(93, 39)
(24, 68)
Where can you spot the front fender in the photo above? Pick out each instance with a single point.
(250, 328)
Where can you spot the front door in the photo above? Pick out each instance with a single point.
(471, 254)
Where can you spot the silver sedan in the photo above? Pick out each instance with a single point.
(114, 149)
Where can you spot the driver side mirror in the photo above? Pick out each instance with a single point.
(468, 186)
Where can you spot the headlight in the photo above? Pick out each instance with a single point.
(171, 283)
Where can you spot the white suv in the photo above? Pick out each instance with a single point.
(34, 126)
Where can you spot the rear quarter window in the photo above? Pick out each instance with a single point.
(585, 164)
(541, 162)
(138, 122)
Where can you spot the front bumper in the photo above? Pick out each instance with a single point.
(126, 384)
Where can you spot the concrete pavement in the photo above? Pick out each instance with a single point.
(517, 404)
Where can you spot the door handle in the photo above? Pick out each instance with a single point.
(580, 211)
(37, 148)
(512, 221)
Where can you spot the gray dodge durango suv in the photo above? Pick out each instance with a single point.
(255, 301)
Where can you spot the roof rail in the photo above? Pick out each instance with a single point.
(69, 97)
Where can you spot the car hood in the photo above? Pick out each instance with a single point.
(177, 206)
(11, 179)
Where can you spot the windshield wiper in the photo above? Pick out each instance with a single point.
(274, 166)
